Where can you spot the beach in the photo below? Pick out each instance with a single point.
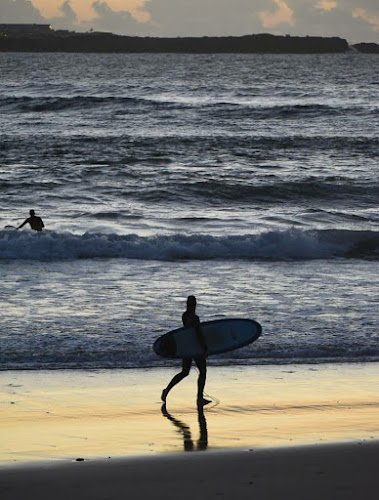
(249, 181)
(329, 471)
(269, 429)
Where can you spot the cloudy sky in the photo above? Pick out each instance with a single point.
(355, 20)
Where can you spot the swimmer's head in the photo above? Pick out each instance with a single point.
(191, 303)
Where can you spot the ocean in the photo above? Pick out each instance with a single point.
(250, 181)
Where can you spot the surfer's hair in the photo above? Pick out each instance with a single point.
(31, 212)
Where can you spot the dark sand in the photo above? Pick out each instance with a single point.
(344, 471)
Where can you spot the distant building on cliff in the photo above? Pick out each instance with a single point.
(14, 30)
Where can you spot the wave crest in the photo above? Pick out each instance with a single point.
(232, 107)
(274, 245)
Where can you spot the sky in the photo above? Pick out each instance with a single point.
(355, 20)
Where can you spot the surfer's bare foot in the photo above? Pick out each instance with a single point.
(203, 401)
(164, 395)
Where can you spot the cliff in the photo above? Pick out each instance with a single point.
(367, 48)
(60, 41)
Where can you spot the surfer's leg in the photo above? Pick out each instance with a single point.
(186, 366)
(202, 366)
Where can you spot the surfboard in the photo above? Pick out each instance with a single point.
(221, 335)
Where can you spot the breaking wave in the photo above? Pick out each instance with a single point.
(291, 244)
(28, 104)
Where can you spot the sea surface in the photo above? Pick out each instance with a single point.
(250, 181)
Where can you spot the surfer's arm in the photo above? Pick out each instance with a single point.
(23, 224)
(200, 336)
(192, 320)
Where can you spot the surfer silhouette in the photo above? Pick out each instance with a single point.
(35, 222)
(191, 319)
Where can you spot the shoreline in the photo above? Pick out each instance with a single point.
(211, 364)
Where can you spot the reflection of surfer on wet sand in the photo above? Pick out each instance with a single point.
(184, 429)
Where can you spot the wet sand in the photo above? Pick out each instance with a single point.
(64, 415)
(299, 431)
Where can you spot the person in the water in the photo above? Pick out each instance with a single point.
(191, 319)
(36, 223)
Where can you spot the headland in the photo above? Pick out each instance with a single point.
(42, 38)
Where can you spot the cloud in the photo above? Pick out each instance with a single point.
(116, 21)
(135, 7)
(296, 17)
(282, 15)
(327, 5)
(369, 18)
(19, 11)
(68, 17)
(311, 20)
(205, 17)
(355, 20)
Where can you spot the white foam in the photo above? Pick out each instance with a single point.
(276, 245)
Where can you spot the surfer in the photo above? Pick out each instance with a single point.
(35, 222)
(190, 319)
